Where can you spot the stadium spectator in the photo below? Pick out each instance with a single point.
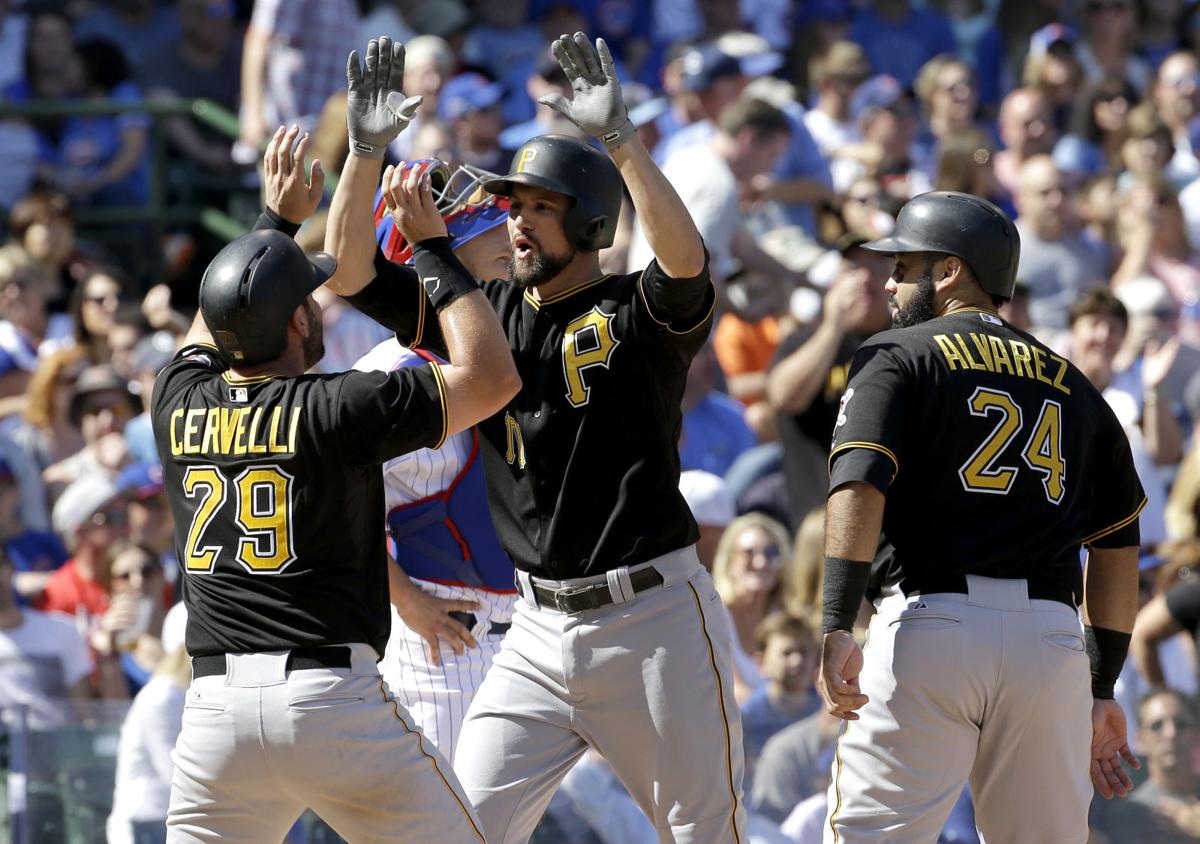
(139, 593)
(44, 663)
(1056, 262)
(965, 164)
(547, 78)
(505, 43)
(747, 572)
(1053, 68)
(1092, 147)
(1108, 43)
(1159, 30)
(34, 554)
(712, 507)
(835, 76)
(899, 38)
(203, 60)
(886, 116)
(428, 63)
(294, 59)
(470, 104)
(787, 650)
(130, 25)
(809, 373)
(714, 427)
(1176, 93)
(43, 226)
(45, 431)
(25, 325)
(1148, 145)
(949, 98)
(101, 404)
(1026, 130)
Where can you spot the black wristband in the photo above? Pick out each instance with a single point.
(268, 219)
(441, 273)
(844, 586)
(1106, 650)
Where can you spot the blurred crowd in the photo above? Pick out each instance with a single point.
(793, 130)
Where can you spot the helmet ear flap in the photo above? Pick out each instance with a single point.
(591, 232)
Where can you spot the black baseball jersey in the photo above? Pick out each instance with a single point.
(583, 465)
(277, 492)
(997, 456)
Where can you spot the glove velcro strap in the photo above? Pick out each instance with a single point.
(619, 136)
(844, 586)
(442, 274)
(1106, 650)
(365, 150)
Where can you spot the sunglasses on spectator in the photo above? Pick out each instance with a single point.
(109, 518)
(118, 409)
(1181, 722)
(863, 198)
(1180, 81)
(148, 570)
(102, 298)
(771, 552)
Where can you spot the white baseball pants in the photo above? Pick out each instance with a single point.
(260, 744)
(990, 687)
(647, 682)
(437, 696)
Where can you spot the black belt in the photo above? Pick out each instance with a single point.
(467, 620)
(957, 583)
(298, 659)
(573, 599)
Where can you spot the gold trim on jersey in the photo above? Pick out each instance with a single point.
(1087, 540)
(712, 659)
(436, 767)
(973, 309)
(563, 294)
(667, 325)
(441, 385)
(419, 333)
(242, 380)
(870, 446)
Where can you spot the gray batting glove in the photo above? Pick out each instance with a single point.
(376, 110)
(597, 106)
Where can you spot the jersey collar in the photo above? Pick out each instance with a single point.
(536, 302)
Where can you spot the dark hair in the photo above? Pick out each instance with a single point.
(1099, 301)
(760, 117)
(39, 206)
(960, 158)
(104, 63)
(1186, 702)
(75, 306)
(1083, 112)
(782, 623)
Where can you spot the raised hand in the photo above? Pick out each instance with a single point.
(597, 106)
(285, 189)
(376, 109)
(409, 199)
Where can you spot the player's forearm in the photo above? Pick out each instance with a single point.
(254, 63)
(482, 377)
(1160, 428)
(665, 220)
(1110, 588)
(198, 333)
(350, 232)
(853, 519)
(1145, 657)
(794, 382)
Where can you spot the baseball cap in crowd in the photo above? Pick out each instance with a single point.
(442, 18)
(1050, 36)
(152, 353)
(80, 501)
(467, 93)
(753, 52)
(877, 93)
(703, 65)
(141, 480)
(95, 380)
(708, 496)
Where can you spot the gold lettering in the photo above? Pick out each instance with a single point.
(228, 417)
(253, 447)
(1058, 376)
(239, 437)
(1021, 356)
(953, 358)
(962, 344)
(176, 445)
(1039, 366)
(191, 429)
(981, 345)
(273, 444)
(999, 355)
(212, 430)
(293, 430)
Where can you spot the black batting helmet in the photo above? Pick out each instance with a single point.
(575, 169)
(962, 225)
(251, 289)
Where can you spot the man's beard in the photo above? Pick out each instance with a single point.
(921, 307)
(313, 345)
(540, 268)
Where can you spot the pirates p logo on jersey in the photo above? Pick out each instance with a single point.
(588, 341)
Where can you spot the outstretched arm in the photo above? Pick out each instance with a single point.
(597, 108)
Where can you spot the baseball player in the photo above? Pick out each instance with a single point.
(618, 641)
(987, 460)
(453, 583)
(274, 480)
